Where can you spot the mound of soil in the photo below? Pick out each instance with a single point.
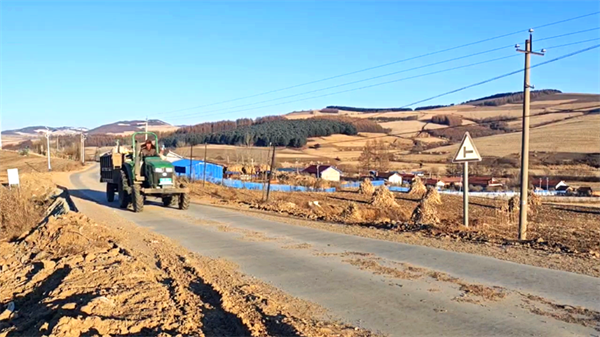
(70, 276)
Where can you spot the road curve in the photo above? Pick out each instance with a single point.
(393, 306)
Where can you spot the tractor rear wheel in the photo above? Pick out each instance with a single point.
(137, 198)
(110, 192)
(184, 201)
(124, 197)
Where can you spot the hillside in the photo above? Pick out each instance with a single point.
(128, 127)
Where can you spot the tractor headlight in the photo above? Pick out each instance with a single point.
(158, 170)
(169, 169)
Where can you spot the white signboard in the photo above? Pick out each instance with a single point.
(467, 151)
(13, 177)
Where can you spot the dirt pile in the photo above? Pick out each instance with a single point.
(366, 188)
(70, 276)
(426, 212)
(417, 188)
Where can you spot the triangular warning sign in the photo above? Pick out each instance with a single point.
(467, 151)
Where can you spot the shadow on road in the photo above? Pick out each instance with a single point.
(100, 198)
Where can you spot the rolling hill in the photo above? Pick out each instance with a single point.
(129, 127)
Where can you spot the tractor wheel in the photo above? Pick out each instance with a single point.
(124, 197)
(137, 198)
(184, 201)
(169, 201)
(110, 192)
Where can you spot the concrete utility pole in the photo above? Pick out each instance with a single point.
(48, 149)
(82, 148)
(146, 130)
(271, 172)
(191, 156)
(204, 173)
(525, 138)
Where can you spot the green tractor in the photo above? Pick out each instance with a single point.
(134, 178)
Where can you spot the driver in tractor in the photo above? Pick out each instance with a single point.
(148, 150)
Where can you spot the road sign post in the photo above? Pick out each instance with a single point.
(467, 152)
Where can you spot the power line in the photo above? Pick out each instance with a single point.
(385, 64)
(502, 76)
(375, 77)
(372, 85)
(349, 90)
(362, 80)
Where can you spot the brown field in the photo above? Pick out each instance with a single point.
(577, 135)
(556, 241)
(543, 119)
(32, 163)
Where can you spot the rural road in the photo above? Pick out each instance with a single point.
(393, 306)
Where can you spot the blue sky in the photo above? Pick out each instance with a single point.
(85, 63)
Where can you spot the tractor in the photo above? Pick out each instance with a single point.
(134, 178)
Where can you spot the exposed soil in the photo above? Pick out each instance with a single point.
(564, 237)
(74, 277)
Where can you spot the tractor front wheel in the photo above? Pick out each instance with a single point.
(124, 196)
(138, 198)
(184, 201)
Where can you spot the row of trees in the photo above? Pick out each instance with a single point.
(361, 124)
(509, 97)
(368, 110)
(450, 120)
(292, 133)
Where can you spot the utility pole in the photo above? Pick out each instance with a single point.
(82, 149)
(546, 183)
(264, 174)
(271, 172)
(57, 142)
(48, 149)
(191, 156)
(146, 130)
(204, 173)
(525, 138)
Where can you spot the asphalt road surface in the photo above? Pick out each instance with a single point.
(267, 250)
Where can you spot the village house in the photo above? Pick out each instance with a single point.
(325, 172)
(391, 177)
(436, 183)
(485, 182)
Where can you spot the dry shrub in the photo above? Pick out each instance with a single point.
(433, 196)
(417, 187)
(382, 197)
(352, 213)
(514, 204)
(366, 188)
(22, 208)
(426, 212)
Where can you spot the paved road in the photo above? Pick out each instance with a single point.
(393, 306)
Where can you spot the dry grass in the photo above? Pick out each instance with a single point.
(22, 208)
(578, 135)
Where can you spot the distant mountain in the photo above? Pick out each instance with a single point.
(128, 127)
(34, 131)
